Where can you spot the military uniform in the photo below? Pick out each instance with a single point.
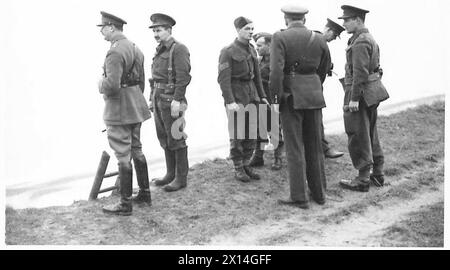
(362, 83)
(276, 137)
(240, 81)
(298, 66)
(170, 77)
(327, 150)
(125, 110)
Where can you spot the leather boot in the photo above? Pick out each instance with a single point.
(277, 164)
(182, 168)
(144, 195)
(257, 159)
(170, 167)
(124, 207)
(249, 171)
(240, 175)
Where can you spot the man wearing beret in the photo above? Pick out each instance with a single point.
(122, 86)
(298, 67)
(331, 31)
(363, 93)
(170, 77)
(240, 81)
(263, 41)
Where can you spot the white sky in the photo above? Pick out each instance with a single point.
(52, 54)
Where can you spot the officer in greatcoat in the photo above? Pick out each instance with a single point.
(240, 81)
(170, 77)
(363, 93)
(122, 86)
(298, 66)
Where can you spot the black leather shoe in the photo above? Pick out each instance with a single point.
(174, 186)
(143, 197)
(355, 186)
(251, 173)
(163, 181)
(319, 201)
(377, 180)
(121, 209)
(330, 153)
(299, 204)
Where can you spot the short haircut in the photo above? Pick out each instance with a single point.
(118, 27)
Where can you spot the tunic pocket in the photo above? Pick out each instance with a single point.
(240, 66)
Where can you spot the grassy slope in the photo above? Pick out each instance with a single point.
(215, 203)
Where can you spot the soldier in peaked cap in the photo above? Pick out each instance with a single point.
(330, 32)
(263, 41)
(170, 77)
(298, 65)
(363, 93)
(240, 81)
(122, 86)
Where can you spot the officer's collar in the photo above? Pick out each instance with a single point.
(296, 25)
(242, 44)
(356, 35)
(117, 37)
(168, 43)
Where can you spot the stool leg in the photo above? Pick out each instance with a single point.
(99, 176)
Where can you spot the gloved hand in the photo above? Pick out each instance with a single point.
(264, 100)
(99, 84)
(276, 108)
(233, 107)
(175, 109)
(353, 106)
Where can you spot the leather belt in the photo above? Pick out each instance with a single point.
(371, 78)
(125, 85)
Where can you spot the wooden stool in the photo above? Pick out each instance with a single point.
(101, 170)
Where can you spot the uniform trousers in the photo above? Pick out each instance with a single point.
(242, 129)
(363, 143)
(125, 140)
(305, 158)
(169, 130)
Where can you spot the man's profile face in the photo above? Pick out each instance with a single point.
(262, 47)
(329, 34)
(351, 24)
(246, 32)
(107, 31)
(161, 33)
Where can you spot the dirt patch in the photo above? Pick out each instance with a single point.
(215, 208)
(423, 228)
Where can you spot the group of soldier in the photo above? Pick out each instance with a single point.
(285, 85)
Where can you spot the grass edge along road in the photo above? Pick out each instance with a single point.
(214, 204)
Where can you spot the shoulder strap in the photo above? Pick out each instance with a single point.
(311, 39)
(170, 68)
(128, 76)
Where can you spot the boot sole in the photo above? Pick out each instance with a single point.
(170, 189)
(161, 183)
